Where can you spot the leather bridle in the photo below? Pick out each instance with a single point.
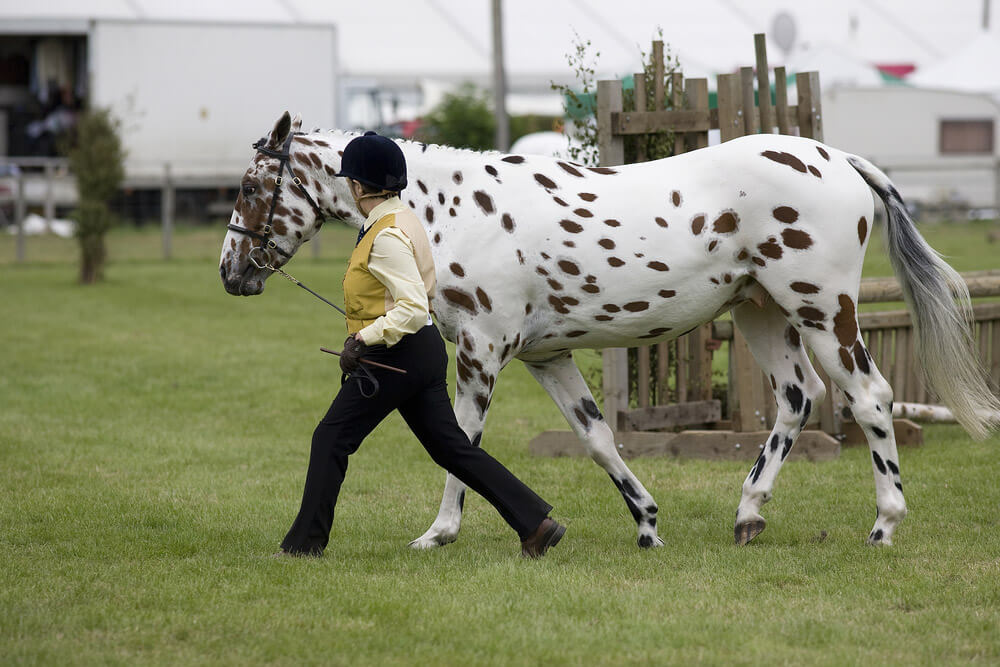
(264, 236)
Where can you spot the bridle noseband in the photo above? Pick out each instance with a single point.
(264, 236)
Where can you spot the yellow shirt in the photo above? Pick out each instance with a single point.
(393, 263)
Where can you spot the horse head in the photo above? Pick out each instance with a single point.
(283, 195)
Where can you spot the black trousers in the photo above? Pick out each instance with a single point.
(421, 396)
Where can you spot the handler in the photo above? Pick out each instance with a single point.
(387, 288)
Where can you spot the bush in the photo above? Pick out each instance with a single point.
(97, 160)
(462, 119)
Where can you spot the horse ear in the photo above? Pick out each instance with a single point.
(280, 131)
(296, 122)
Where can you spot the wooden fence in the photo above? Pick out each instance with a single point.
(680, 393)
(670, 383)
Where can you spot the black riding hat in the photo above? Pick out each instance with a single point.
(375, 161)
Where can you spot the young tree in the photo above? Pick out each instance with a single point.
(96, 159)
(462, 119)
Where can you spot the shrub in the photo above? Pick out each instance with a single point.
(97, 160)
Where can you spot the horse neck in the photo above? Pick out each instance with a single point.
(331, 193)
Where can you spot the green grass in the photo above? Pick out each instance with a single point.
(154, 435)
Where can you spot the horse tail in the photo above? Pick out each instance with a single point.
(943, 327)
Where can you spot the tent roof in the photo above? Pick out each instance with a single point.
(973, 68)
(408, 40)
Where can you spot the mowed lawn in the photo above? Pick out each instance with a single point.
(154, 436)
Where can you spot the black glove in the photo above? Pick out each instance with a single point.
(350, 358)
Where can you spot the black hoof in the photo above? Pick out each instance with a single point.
(744, 532)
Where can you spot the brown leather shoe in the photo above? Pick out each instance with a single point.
(547, 535)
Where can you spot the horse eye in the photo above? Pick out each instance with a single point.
(249, 190)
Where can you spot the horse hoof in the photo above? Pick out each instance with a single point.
(649, 541)
(878, 538)
(432, 540)
(745, 532)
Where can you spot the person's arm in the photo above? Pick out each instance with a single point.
(393, 264)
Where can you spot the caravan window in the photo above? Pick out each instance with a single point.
(966, 137)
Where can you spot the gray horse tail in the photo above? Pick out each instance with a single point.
(944, 339)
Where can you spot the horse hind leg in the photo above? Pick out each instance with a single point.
(848, 363)
(778, 350)
(562, 380)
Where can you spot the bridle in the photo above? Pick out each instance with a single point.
(362, 374)
(264, 236)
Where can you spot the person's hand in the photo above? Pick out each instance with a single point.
(350, 358)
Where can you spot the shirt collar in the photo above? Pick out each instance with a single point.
(390, 205)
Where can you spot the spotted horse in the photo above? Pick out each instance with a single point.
(538, 256)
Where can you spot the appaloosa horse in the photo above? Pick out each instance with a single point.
(537, 256)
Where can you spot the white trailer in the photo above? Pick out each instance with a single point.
(195, 96)
(191, 94)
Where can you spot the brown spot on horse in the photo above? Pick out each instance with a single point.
(770, 249)
(457, 269)
(862, 230)
(786, 158)
(658, 266)
(460, 298)
(569, 169)
(796, 238)
(697, 224)
(727, 223)
(484, 201)
(546, 182)
(612, 223)
(484, 300)
(804, 288)
(845, 325)
(785, 214)
(507, 222)
(636, 306)
(615, 261)
(587, 196)
(675, 197)
(513, 159)
(570, 226)
(606, 243)
(569, 267)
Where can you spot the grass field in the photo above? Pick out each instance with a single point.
(154, 434)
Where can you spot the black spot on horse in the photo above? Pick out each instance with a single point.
(794, 396)
(758, 467)
(806, 411)
(774, 442)
(787, 448)
(632, 507)
(879, 464)
(893, 468)
(591, 409)
(879, 433)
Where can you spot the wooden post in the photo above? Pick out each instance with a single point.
(746, 101)
(167, 211)
(743, 375)
(639, 93)
(642, 375)
(659, 100)
(20, 211)
(696, 91)
(730, 112)
(611, 149)
(810, 118)
(701, 363)
(677, 102)
(781, 100)
(763, 84)
(50, 194)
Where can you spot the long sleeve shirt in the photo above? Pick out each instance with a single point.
(393, 263)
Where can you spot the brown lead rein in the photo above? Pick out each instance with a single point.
(369, 362)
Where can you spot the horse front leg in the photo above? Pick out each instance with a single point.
(473, 393)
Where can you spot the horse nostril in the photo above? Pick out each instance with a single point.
(222, 273)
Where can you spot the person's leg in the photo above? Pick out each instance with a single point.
(349, 420)
(431, 418)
